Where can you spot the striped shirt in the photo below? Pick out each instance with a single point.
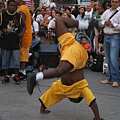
(28, 3)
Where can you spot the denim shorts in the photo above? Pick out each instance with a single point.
(10, 59)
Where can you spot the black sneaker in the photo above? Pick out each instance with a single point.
(5, 80)
(16, 79)
(22, 76)
(31, 83)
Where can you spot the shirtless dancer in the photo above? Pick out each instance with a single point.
(72, 84)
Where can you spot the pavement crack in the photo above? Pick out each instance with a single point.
(0, 118)
(107, 94)
(112, 114)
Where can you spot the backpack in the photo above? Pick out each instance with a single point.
(97, 65)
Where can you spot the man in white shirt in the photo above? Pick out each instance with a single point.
(46, 3)
(88, 12)
(52, 4)
(112, 42)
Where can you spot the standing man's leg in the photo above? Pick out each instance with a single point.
(111, 47)
(114, 59)
(15, 64)
(6, 56)
(24, 56)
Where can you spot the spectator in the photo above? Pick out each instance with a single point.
(46, 3)
(89, 16)
(39, 17)
(112, 42)
(61, 9)
(52, 4)
(2, 6)
(65, 14)
(68, 10)
(92, 3)
(51, 24)
(95, 10)
(1, 71)
(11, 31)
(37, 13)
(35, 31)
(75, 12)
(88, 12)
(98, 46)
(85, 43)
(47, 17)
(30, 4)
(107, 6)
(72, 8)
(81, 16)
(26, 40)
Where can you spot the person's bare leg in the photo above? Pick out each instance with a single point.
(43, 110)
(16, 70)
(62, 25)
(95, 110)
(22, 65)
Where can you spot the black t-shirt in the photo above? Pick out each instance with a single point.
(10, 26)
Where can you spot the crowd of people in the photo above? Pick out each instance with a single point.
(88, 14)
(43, 21)
(20, 26)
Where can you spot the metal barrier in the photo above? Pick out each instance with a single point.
(50, 36)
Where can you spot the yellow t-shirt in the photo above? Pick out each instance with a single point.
(27, 37)
(72, 51)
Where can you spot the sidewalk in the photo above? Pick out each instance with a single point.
(17, 104)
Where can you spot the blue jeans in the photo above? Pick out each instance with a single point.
(35, 42)
(10, 59)
(0, 61)
(112, 49)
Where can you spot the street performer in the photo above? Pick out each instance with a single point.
(72, 84)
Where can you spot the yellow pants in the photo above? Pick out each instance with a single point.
(24, 54)
(58, 91)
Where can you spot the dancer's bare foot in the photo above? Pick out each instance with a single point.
(43, 110)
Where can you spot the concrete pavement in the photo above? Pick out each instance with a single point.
(17, 104)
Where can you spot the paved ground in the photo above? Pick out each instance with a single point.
(16, 104)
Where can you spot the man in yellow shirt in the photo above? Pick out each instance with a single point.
(26, 40)
(72, 84)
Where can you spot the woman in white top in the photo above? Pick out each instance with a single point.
(52, 4)
(68, 10)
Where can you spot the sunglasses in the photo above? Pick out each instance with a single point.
(114, 1)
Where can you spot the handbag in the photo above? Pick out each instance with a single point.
(97, 65)
(101, 32)
(101, 36)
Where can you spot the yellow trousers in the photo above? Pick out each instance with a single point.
(58, 91)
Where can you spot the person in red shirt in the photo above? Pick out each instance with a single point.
(87, 46)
